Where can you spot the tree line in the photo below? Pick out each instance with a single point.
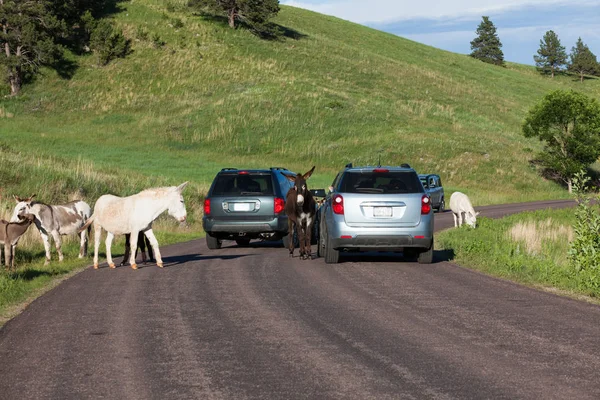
(551, 57)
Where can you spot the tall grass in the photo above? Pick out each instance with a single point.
(531, 248)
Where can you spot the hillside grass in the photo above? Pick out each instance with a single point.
(530, 248)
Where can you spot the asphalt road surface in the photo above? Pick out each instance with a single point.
(251, 323)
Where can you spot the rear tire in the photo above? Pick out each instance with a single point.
(242, 242)
(212, 242)
(426, 257)
(332, 256)
(442, 206)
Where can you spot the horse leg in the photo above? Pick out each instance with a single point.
(127, 250)
(133, 243)
(109, 239)
(46, 241)
(97, 234)
(83, 244)
(155, 249)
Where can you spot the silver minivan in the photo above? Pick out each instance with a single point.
(376, 209)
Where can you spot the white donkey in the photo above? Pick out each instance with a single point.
(134, 214)
(463, 210)
(55, 220)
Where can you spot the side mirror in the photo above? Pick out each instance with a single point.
(318, 192)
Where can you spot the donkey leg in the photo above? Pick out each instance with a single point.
(149, 247)
(133, 243)
(7, 255)
(109, 239)
(142, 246)
(83, 244)
(302, 238)
(46, 241)
(58, 245)
(127, 250)
(309, 228)
(291, 228)
(97, 235)
(150, 235)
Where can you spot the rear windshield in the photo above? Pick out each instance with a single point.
(381, 182)
(243, 185)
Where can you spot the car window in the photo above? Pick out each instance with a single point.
(243, 184)
(423, 180)
(381, 182)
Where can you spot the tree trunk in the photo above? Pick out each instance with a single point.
(231, 17)
(581, 77)
(14, 79)
(570, 185)
(552, 72)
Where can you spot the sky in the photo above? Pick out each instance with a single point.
(451, 24)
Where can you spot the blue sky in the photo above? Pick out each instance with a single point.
(451, 25)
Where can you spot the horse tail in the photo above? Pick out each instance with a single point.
(87, 224)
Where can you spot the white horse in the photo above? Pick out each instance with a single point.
(56, 220)
(134, 214)
(463, 210)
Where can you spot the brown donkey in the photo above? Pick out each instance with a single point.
(300, 207)
(10, 233)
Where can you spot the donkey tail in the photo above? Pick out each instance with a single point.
(87, 224)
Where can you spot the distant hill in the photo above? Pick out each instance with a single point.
(329, 93)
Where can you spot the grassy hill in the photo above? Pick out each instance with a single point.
(331, 92)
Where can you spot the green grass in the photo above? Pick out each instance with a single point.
(530, 248)
(213, 97)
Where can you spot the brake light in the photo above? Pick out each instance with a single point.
(206, 206)
(381, 170)
(279, 205)
(243, 173)
(338, 204)
(425, 205)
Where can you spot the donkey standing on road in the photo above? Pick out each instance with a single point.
(10, 233)
(57, 220)
(134, 214)
(300, 207)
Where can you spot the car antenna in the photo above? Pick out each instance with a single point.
(379, 160)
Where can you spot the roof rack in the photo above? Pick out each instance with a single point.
(405, 165)
(349, 165)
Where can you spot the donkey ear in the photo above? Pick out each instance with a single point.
(309, 173)
(477, 213)
(31, 197)
(181, 187)
(291, 178)
(17, 198)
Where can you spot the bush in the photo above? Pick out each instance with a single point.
(584, 253)
(108, 42)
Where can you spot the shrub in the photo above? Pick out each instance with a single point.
(108, 42)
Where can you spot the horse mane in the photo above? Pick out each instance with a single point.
(157, 191)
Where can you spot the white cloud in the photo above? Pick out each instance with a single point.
(383, 11)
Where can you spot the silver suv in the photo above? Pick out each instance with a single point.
(376, 209)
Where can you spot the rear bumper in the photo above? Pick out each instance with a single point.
(385, 239)
(232, 227)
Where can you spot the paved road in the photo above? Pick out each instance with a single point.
(250, 323)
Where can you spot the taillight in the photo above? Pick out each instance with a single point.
(425, 205)
(279, 205)
(381, 170)
(206, 206)
(338, 204)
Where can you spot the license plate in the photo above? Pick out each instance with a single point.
(242, 206)
(382, 211)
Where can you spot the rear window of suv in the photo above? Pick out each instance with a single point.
(249, 184)
(381, 182)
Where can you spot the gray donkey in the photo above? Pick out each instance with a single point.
(10, 233)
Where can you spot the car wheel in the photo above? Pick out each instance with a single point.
(410, 254)
(213, 242)
(242, 242)
(426, 257)
(442, 206)
(332, 256)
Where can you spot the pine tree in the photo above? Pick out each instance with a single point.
(28, 32)
(254, 13)
(551, 55)
(583, 61)
(486, 46)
